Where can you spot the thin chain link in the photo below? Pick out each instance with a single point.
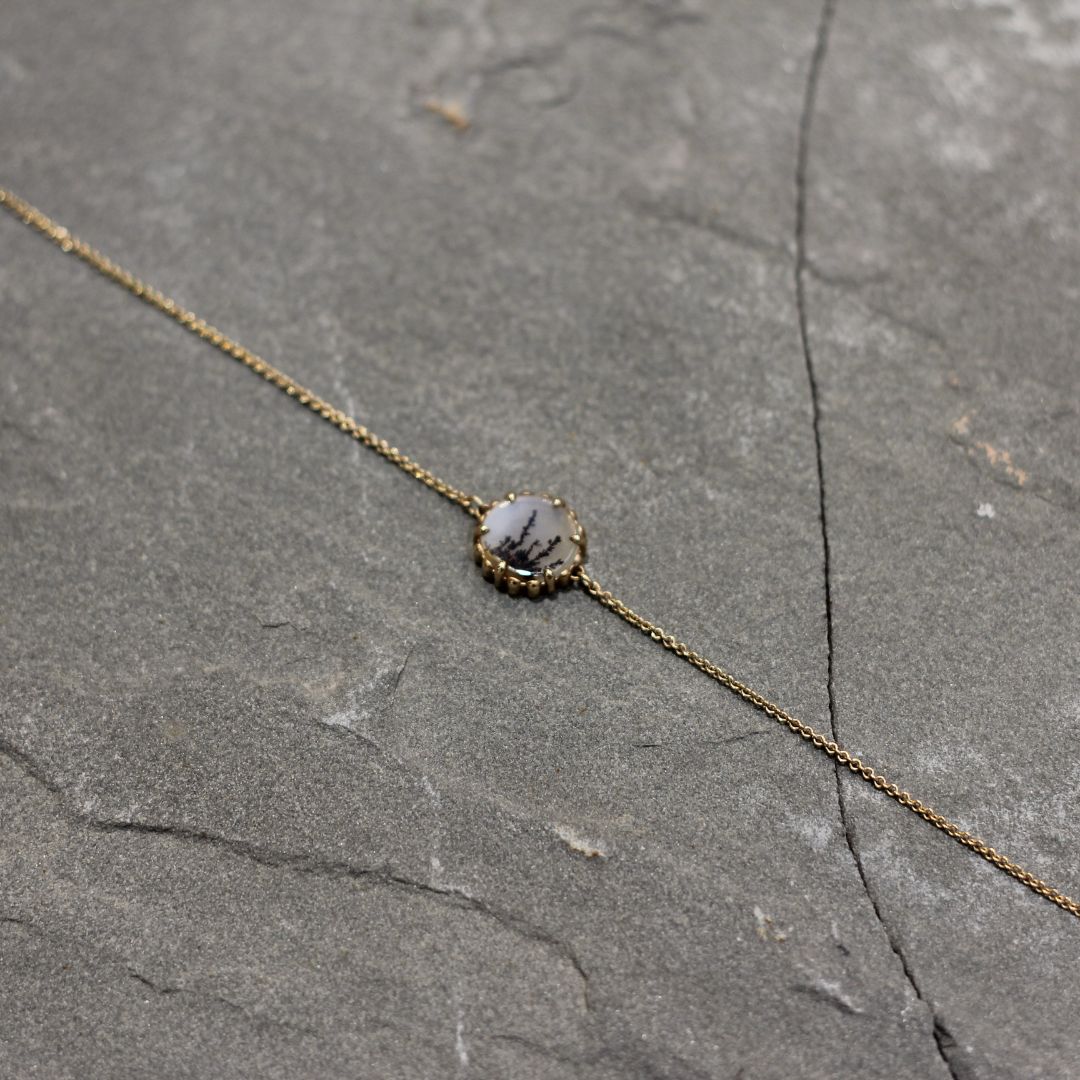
(60, 236)
(826, 745)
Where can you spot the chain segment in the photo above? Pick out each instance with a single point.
(60, 236)
(826, 745)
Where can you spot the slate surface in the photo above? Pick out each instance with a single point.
(289, 791)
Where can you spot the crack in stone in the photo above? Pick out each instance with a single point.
(537, 1048)
(399, 674)
(727, 740)
(669, 210)
(636, 24)
(28, 765)
(943, 1040)
(310, 864)
(159, 989)
(856, 288)
(163, 991)
(260, 1021)
(816, 62)
(25, 925)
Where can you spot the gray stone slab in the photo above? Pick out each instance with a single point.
(288, 790)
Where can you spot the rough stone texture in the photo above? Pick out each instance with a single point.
(288, 790)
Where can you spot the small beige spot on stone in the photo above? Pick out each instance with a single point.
(451, 111)
(578, 844)
(962, 425)
(766, 928)
(1002, 459)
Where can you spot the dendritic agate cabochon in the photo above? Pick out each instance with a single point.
(532, 534)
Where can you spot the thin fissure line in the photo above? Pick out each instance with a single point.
(942, 1037)
(816, 61)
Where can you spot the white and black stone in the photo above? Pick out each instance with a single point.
(532, 534)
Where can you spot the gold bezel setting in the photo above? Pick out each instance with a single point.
(498, 571)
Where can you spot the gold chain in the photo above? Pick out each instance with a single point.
(60, 236)
(826, 745)
(474, 506)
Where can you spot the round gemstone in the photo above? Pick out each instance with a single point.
(532, 534)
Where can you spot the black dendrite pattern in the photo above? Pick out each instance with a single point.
(525, 556)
